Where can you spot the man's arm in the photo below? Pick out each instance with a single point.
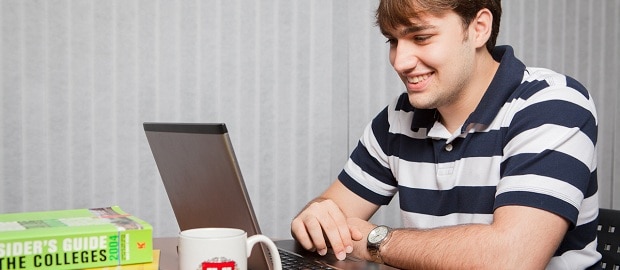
(519, 238)
(326, 217)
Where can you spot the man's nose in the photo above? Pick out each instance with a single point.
(404, 57)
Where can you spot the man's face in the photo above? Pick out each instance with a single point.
(434, 58)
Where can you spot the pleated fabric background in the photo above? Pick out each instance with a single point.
(295, 81)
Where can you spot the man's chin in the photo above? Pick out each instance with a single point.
(420, 103)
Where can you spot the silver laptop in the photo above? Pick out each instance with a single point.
(203, 181)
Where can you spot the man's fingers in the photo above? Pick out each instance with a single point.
(299, 232)
(341, 234)
(315, 231)
(320, 223)
(356, 234)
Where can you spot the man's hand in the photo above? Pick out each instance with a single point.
(362, 228)
(322, 223)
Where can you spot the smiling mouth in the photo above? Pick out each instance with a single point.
(419, 78)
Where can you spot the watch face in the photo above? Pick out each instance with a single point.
(377, 234)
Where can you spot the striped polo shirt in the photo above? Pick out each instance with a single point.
(531, 141)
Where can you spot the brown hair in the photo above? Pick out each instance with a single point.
(393, 13)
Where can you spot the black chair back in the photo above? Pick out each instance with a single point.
(609, 238)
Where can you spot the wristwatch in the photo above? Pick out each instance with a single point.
(376, 237)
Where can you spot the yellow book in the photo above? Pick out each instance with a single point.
(140, 266)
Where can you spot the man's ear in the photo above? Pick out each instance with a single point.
(481, 26)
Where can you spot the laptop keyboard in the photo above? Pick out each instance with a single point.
(294, 261)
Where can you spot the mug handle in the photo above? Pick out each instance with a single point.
(275, 256)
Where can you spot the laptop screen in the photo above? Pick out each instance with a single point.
(202, 178)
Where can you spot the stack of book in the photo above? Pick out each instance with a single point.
(74, 239)
(154, 265)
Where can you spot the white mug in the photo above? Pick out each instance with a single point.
(220, 248)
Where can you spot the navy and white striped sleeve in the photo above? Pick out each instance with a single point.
(550, 147)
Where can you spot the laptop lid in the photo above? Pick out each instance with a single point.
(203, 181)
(205, 187)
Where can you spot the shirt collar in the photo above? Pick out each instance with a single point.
(507, 78)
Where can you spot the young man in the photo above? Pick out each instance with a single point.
(494, 162)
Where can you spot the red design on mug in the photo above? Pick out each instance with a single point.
(218, 263)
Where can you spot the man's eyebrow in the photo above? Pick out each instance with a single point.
(415, 28)
(409, 29)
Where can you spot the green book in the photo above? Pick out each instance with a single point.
(74, 239)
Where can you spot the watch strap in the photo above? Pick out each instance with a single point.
(374, 249)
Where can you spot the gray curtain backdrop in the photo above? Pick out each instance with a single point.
(295, 81)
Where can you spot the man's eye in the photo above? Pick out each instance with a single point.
(421, 38)
(391, 41)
